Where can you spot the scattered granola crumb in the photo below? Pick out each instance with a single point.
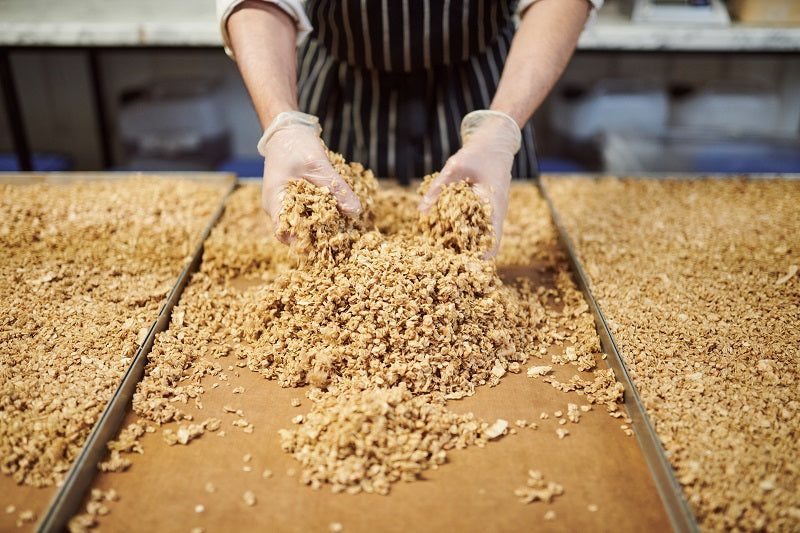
(537, 489)
(550, 515)
(183, 435)
(496, 429)
(249, 498)
(81, 523)
(266, 474)
(561, 432)
(199, 508)
(247, 457)
(573, 413)
(212, 424)
(335, 527)
(592, 508)
(210, 487)
(539, 371)
(25, 517)
(238, 390)
(296, 402)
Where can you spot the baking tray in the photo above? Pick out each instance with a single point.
(63, 178)
(670, 490)
(599, 464)
(68, 496)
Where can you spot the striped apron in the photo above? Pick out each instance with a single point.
(390, 80)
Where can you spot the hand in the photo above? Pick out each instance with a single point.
(489, 141)
(292, 149)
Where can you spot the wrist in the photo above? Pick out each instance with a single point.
(288, 119)
(502, 126)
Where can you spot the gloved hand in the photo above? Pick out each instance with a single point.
(489, 141)
(292, 149)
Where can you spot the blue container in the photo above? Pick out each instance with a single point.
(748, 157)
(244, 167)
(40, 163)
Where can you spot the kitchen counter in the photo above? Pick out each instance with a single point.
(179, 23)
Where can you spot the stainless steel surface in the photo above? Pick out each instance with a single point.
(67, 500)
(672, 496)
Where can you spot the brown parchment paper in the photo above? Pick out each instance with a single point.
(597, 464)
(16, 499)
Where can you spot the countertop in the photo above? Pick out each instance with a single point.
(178, 23)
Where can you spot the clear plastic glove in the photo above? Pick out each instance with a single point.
(292, 149)
(489, 139)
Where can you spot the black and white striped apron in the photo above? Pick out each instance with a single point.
(390, 80)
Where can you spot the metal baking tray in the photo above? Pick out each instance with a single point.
(69, 495)
(671, 492)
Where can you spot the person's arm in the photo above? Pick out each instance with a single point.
(540, 49)
(262, 37)
(263, 41)
(545, 40)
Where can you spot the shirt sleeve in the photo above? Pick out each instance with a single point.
(293, 8)
(596, 4)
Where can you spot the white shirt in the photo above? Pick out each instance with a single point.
(296, 11)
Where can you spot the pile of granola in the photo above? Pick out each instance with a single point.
(386, 316)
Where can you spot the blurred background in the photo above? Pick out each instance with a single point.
(655, 85)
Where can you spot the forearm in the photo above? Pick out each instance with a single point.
(263, 39)
(541, 48)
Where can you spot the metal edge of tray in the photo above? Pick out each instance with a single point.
(675, 176)
(69, 496)
(64, 178)
(678, 511)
